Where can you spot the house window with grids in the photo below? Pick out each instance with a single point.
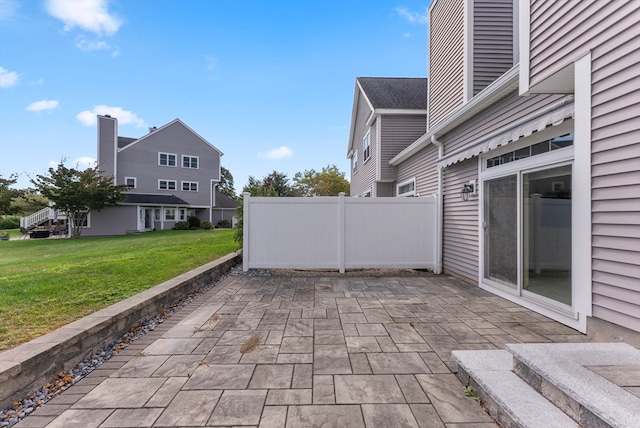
(366, 146)
(130, 182)
(406, 188)
(183, 214)
(169, 214)
(167, 159)
(354, 161)
(190, 161)
(190, 186)
(167, 184)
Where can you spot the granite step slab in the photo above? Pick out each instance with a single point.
(560, 372)
(507, 398)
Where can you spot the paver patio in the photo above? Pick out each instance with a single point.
(328, 351)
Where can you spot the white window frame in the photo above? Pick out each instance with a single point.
(404, 183)
(190, 186)
(182, 214)
(197, 158)
(167, 211)
(156, 214)
(366, 147)
(168, 155)
(135, 182)
(354, 161)
(175, 184)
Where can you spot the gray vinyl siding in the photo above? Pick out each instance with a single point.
(506, 112)
(107, 142)
(112, 221)
(140, 160)
(615, 171)
(460, 222)
(363, 178)
(563, 31)
(397, 133)
(492, 41)
(422, 166)
(385, 189)
(446, 59)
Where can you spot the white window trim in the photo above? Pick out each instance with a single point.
(190, 183)
(366, 144)
(354, 162)
(182, 214)
(135, 182)
(404, 183)
(164, 214)
(190, 157)
(168, 154)
(175, 183)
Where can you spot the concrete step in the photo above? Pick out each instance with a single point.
(507, 398)
(560, 372)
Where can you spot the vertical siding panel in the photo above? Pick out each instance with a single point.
(492, 41)
(615, 171)
(397, 133)
(446, 59)
(460, 222)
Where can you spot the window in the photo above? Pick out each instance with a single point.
(183, 214)
(156, 214)
(167, 184)
(406, 188)
(190, 161)
(354, 161)
(190, 186)
(533, 150)
(130, 182)
(166, 159)
(366, 146)
(169, 214)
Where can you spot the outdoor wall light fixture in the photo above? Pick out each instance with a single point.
(468, 189)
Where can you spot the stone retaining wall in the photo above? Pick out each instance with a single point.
(27, 367)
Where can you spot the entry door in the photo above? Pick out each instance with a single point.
(527, 233)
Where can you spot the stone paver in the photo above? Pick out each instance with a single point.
(329, 351)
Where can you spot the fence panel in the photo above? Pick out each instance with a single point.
(339, 233)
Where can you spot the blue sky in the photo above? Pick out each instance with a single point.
(269, 83)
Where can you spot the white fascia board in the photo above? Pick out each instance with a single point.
(394, 111)
(352, 129)
(524, 45)
(478, 103)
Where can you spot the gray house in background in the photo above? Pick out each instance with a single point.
(171, 173)
(224, 210)
(533, 149)
(388, 114)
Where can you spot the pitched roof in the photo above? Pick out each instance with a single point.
(125, 141)
(139, 198)
(223, 201)
(395, 92)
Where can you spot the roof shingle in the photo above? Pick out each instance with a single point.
(396, 92)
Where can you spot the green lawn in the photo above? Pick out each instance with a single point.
(47, 283)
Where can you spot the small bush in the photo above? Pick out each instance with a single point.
(194, 222)
(9, 222)
(181, 225)
(206, 225)
(224, 224)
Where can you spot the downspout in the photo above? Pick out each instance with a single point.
(439, 232)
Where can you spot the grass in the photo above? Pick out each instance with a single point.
(45, 284)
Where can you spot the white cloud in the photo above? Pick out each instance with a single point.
(8, 9)
(42, 105)
(89, 15)
(88, 117)
(37, 82)
(8, 78)
(91, 45)
(413, 17)
(279, 153)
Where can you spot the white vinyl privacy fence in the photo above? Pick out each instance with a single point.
(339, 233)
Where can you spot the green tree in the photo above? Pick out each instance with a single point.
(328, 182)
(274, 184)
(77, 192)
(8, 195)
(29, 202)
(225, 186)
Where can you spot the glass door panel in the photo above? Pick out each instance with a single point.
(547, 233)
(501, 230)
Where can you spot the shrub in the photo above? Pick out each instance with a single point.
(194, 222)
(9, 222)
(224, 224)
(181, 225)
(206, 225)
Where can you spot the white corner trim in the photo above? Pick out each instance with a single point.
(524, 33)
(467, 63)
(581, 235)
(378, 145)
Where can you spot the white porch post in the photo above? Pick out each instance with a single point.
(245, 231)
